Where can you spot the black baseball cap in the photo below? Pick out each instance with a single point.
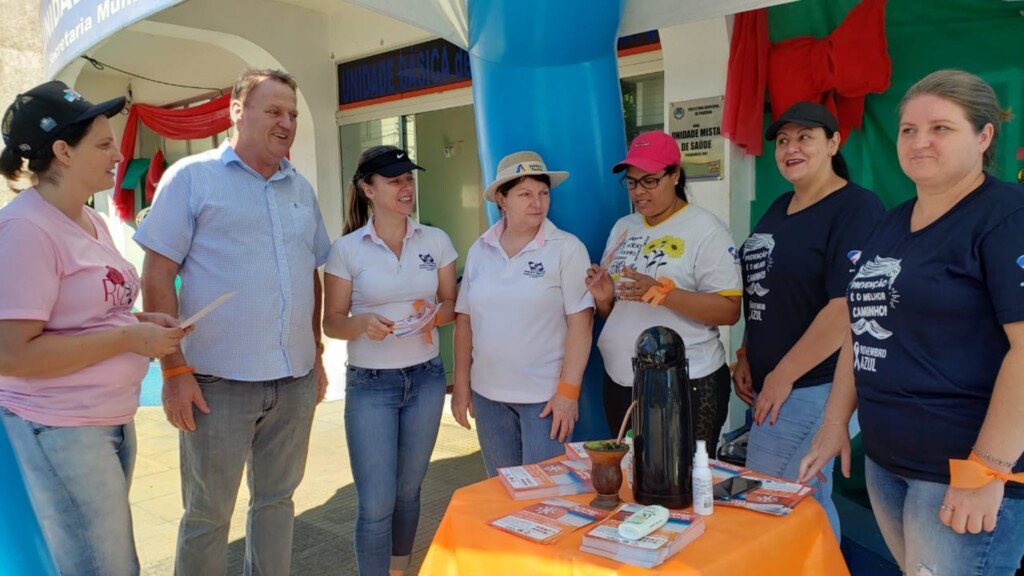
(806, 114)
(36, 118)
(389, 164)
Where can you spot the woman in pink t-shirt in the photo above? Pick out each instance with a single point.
(72, 355)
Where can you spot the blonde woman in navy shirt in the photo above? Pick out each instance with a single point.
(386, 268)
(935, 356)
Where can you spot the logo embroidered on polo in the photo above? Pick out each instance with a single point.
(427, 263)
(534, 270)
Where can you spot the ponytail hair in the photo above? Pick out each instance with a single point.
(839, 165)
(15, 167)
(359, 206)
(11, 164)
(681, 184)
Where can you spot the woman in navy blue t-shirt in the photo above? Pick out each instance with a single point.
(796, 265)
(936, 351)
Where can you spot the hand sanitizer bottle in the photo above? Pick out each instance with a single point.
(703, 496)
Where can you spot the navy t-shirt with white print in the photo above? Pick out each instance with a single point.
(927, 310)
(793, 264)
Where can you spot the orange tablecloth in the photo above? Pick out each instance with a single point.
(736, 542)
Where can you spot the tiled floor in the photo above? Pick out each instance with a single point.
(324, 503)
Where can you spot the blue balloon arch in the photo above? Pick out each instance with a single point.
(545, 78)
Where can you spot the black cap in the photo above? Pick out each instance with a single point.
(389, 164)
(37, 117)
(806, 114)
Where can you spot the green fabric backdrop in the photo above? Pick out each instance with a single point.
(985, 37)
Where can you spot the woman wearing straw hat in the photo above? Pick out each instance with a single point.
(523, 323)
(668, 264)
(72, 355)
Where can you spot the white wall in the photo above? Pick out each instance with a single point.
(356, 32)
(696, 56)
(274, 34)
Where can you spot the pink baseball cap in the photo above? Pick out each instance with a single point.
(651, 152)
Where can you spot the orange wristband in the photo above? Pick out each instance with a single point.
(657, 294)
(741, 352)
(566, 390)
(183, 369)
(974, 473)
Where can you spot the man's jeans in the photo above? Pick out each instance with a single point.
(391, 422)
(513, 434)
(259, 426)
(907, 512)
(777, 450)
(78, 478)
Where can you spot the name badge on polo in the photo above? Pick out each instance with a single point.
(427, 263)
(534, 270)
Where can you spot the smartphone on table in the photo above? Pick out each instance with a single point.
(733, 487)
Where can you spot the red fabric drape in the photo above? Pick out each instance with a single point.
(743, 114)
(837, 71)
(156, 170)
(178, 124)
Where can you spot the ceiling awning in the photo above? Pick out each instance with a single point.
(448, 18)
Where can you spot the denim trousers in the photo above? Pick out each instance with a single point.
(78, 478)
(513, 434)
(263, 428)
(391, 422)
(907, 512)
(777, 449)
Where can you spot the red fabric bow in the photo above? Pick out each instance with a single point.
(202, 121)
(837, 71)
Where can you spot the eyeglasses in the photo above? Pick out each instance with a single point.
(649, 182)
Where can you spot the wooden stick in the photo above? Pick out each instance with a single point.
(622, 429)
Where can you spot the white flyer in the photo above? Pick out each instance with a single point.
(209, 308)
(415, 324)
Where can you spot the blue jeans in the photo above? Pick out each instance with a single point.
(391, 421)
(777, 450)
(261, 427)
(907, 512)
(78, 479)
(513, 434)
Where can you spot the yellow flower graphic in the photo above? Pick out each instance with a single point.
(668, 245)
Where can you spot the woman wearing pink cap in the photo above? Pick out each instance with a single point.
(72, 355)
(668, 264)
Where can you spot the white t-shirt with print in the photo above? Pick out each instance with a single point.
(518, 307)
(385, 284)
(693, 248)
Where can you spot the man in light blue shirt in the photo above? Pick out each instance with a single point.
(245, 385)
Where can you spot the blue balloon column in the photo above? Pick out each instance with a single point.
(545, 78)
(22, 547)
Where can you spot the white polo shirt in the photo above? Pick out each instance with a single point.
(387, 285)
(518, 307)
(693, 248)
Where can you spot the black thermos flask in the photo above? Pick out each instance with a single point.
(662, 432)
